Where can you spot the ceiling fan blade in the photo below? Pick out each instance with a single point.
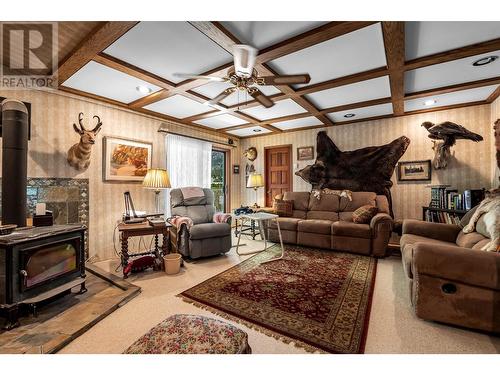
(261, 98)
(194, 76)
(221, 96)
(244, 60)
(285, 80)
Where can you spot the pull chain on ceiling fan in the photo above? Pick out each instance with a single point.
(244, 77)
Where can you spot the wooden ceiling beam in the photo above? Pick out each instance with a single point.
(454, 54)
(140, 110)
(97, 41)
(394, 43)
(342, 81)
(310, 38)
(217, 33)
(453, 88)
(494, 95)
(132, 70)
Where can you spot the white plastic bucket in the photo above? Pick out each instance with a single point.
(172, 263)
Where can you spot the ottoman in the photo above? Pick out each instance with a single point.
(191, 334)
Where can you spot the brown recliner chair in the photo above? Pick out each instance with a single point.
(450, 279)
(205, 238)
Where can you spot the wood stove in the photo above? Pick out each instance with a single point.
(37, 264)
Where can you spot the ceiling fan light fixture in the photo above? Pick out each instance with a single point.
(244, 60)
(485, 60)
(144, 89)
(429, 102)
(349, 115)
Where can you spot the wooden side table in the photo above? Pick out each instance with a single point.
(143, 229)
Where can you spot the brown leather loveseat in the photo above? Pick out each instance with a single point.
(451, 280)
(327, 223)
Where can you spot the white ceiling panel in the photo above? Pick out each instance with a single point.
(427, 38)
(457, 97)
(178, 106)
(213, 89)
(262, 34)
(297, 123)
(246, 132)
(100, 80)
(351, 53)
(279, 109)
(375, 88)
(221, 121)
(450, 73)
(360, 113)
(168, 47)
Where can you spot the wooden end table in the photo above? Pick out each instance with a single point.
(143, 229)
(259, 217)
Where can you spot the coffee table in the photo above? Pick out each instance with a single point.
(260, 217)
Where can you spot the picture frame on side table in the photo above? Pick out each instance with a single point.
(305, 153)
(125, 159)
(419, 170)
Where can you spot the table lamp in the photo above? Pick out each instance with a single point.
(157, 179)
(255, 181)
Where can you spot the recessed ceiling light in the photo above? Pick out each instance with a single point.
(257, 130)
(143, 89)
(349, 115)
(484, 60)
(429, 102)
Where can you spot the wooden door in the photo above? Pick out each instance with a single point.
(278, 171)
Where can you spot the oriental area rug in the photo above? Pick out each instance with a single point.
(319, 300)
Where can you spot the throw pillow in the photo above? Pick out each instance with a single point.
(364, 214)
(283, 208)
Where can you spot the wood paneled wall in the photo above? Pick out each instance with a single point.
(53, 114)
(470, 167)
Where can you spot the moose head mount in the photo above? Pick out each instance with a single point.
(79, 153)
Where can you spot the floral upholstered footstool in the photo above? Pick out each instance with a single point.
(192, 334)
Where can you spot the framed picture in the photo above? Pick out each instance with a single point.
(125, 159)
(305, 153)
(414, 170)
(236, 169)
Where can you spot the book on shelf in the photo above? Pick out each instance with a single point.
(447, 205)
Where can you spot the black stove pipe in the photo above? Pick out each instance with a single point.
(14, 162)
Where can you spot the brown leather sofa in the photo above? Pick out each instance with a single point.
(327, 223)
(451, 280)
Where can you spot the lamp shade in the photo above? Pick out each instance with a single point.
(156, 178)
(255, 180)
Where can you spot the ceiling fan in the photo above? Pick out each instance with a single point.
(244, 77)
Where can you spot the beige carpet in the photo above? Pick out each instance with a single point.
(393, 327)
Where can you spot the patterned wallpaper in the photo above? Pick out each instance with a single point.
(53, 114)
(495, 115)
(470, 167)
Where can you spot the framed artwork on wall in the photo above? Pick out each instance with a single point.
(236, 169)
(125, 159)
(305, 153)
(419, 170)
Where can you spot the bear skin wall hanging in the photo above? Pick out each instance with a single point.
(365, 169)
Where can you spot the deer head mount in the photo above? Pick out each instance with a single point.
(79, 153)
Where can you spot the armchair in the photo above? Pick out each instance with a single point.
(197, 230)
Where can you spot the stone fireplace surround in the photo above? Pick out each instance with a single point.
(67, 198)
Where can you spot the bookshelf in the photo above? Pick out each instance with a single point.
(442, 215)
(448, 205)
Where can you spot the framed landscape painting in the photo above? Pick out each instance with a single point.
(125, 159)
(305, 153)
(414, 170)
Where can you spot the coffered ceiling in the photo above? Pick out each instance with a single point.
(359, 70)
